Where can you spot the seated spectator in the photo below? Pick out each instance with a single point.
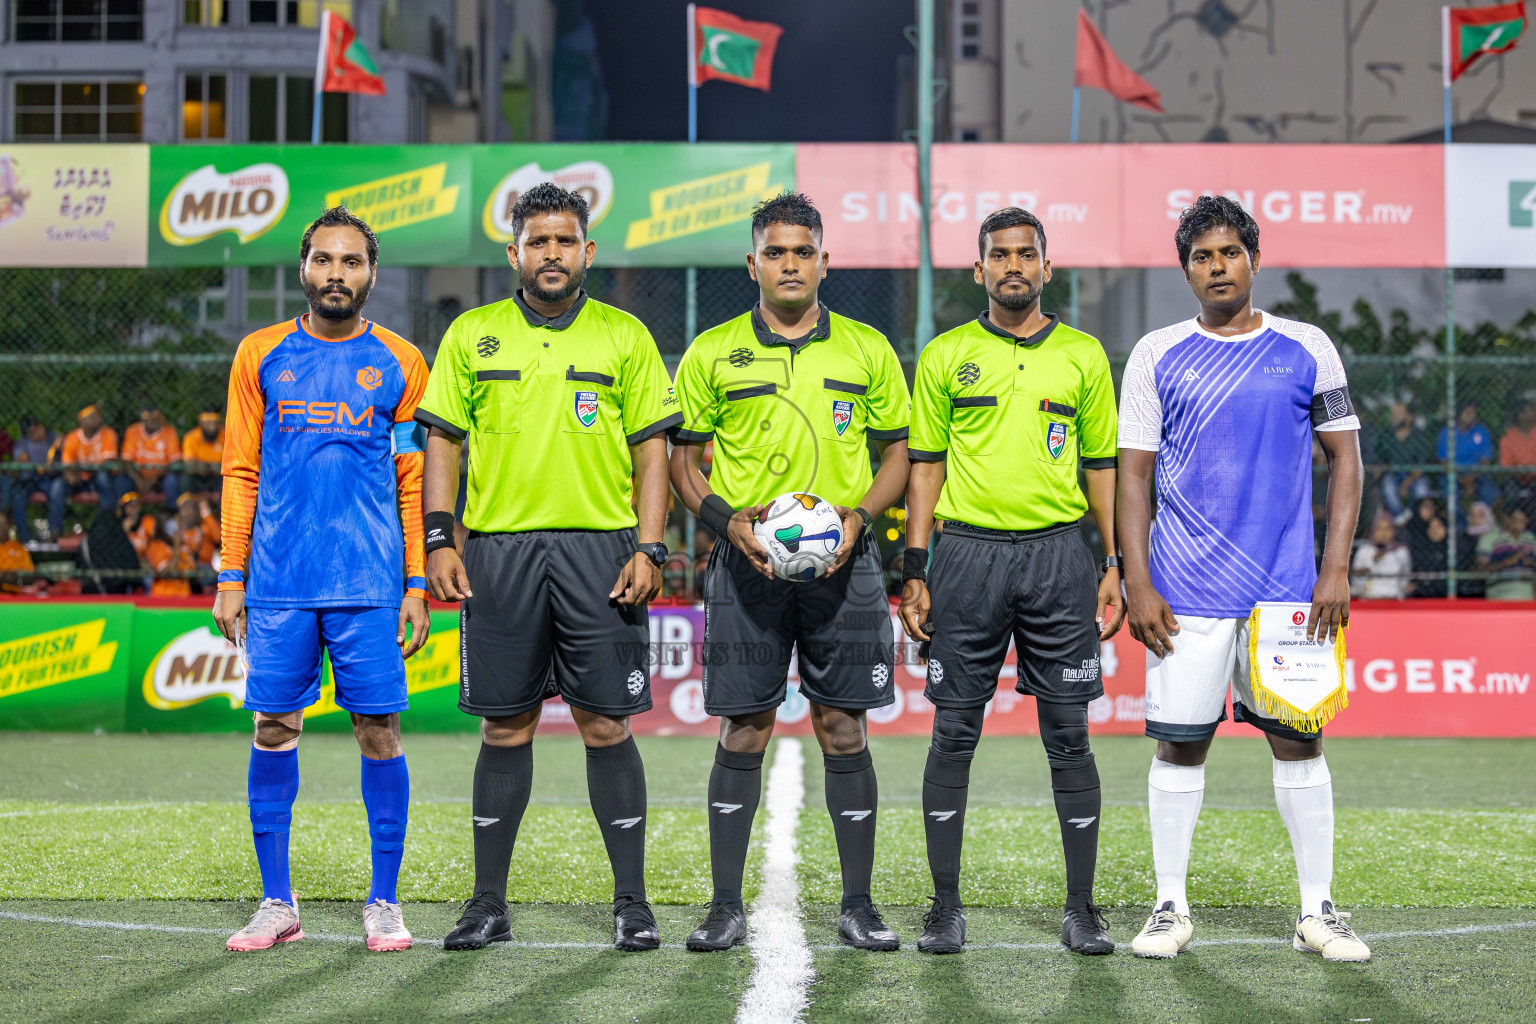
(15, 559)
(139, 527)
(1474, 447)
(1510, 555)
(36, 441)
(1402, 444)
(88, 457)
(1382, 564)
(107, 549)
(149, 448)
(1426, 537)
(202, 453)
(1518, 448)
(195, 528)
(167, 555)
(1477, 521)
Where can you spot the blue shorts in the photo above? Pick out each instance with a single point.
(283, 647)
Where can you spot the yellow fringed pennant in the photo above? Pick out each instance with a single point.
(1296, 681)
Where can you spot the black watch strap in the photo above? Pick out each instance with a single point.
(1109, 562)
(656, 552)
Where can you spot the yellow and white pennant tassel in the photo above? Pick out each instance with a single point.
(1296, 681)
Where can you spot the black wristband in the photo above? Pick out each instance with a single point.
(864, 515)
(715, 512)
(438, 527)
(914, 564)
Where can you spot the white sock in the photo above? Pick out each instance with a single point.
(1174, 795)
(1304, 794)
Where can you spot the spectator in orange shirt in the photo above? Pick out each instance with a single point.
(150, 446)
(167, 555)
(89, 456)
(139, 527)
(1518, 448)
(202, 453)
(14, 558)
(195, 528)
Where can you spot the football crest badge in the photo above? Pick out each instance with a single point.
(1056, 439)
(842, 415)
(586, 408)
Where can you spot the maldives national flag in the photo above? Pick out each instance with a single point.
(1471, 32)
(729, 48)
(1099, 68)
(344, 64)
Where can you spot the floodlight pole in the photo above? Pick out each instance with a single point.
(1451, 426)
(925, 100)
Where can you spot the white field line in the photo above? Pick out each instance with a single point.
(781, 974)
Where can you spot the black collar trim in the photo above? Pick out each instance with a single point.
(558, 323)
(1034, 339)
(765, 336)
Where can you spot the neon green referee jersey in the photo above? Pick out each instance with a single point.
(1009, 417)
(791, 415)
(550, 408)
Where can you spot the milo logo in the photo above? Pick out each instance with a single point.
(590, 178)
(195, 666)
(248, 202)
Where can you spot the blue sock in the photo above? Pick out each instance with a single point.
(271, 786)
(387, 796)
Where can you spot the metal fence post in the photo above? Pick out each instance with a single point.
(925, 100)
(1451, 431)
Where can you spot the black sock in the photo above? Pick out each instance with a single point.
(946, 784)
(853, 799)
(616, 786)
(503, 779)
(735, 786)
(1077, 808)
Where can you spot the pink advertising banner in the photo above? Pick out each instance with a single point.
(1117, 206)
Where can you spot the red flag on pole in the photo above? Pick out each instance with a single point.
(1099, 68)
(1474, 31)
(729, 48)
(344, 64)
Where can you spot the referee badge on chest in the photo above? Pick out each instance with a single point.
(842, 415)
(586, 408)
(1056, 439)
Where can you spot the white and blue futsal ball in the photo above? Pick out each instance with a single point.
(801, 534)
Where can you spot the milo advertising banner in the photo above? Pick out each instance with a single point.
(185, 677)
(249, 205)
(63, 666)
(652, 205)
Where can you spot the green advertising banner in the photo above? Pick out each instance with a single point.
(184, 677)
(249, 205)
(63, 666)
(653, 204)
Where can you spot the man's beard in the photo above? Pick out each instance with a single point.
(1014, 301)
(530, 279)
(333, 312)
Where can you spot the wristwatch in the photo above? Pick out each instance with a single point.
(656, 552)
(1109, 562)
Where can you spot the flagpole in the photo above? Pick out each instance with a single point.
(1077, 98)
(1450, 335)
(325, 34)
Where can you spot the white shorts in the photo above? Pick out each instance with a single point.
(1187, 691)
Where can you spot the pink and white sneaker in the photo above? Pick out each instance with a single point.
(385, 927)
(273, 922)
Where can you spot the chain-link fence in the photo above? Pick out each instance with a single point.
(124, 340)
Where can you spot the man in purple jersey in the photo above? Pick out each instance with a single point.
(1224, 407)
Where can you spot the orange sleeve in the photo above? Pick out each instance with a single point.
(211, 537)
(186, 445)
(108, 444)
(409, 460)
(242, 453)
(130, 448)
(71, 454)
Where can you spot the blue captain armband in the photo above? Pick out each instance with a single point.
(404, 440)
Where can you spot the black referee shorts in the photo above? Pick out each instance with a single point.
(840, 623)
(1037, 586)
(541, 625)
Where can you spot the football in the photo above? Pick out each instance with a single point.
(801, 533)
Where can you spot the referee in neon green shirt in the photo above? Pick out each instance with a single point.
(1002, 407)
(562, 399)
(792, 395)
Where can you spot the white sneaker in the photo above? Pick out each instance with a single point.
(1165, 935)
(1326, 933)
(273, 922)
(385, 927)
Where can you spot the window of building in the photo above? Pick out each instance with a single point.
(78, 21)
(968, 30)
(279, 108)
(303, 13)
(204, 12)
(204, 107)
(78, 111)
(273, 294)
(209, 308)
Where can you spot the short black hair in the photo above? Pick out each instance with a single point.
(1009, 217)
(1209, 212)
(547, 197)
(787, 208)
(341, 217)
